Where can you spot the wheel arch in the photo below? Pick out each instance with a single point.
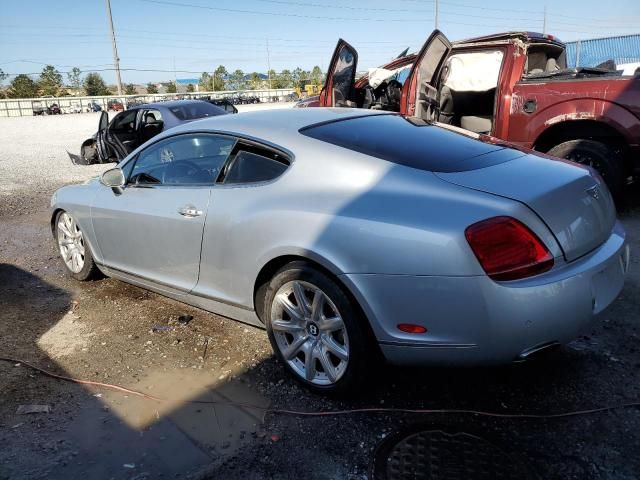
(54, 214)
(578, 129)
(588, 130)
(88, 142)
(269, 269)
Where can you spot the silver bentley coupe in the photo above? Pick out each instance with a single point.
(355, 235)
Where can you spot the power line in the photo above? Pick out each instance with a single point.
(294, 15)
(343, 7)
(192, 34)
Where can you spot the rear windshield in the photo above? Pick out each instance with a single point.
(195, 110)
(410, 142)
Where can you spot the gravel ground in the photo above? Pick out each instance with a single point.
(107, 331)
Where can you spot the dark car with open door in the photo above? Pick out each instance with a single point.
(131, 128)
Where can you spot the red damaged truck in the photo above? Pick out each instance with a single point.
(512, 86)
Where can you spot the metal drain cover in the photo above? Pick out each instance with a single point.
(439, 455)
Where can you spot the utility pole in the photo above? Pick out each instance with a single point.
(544, 21)
(116, 60)
(436, 16)
(269, 65)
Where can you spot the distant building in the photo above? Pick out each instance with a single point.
(183, 83)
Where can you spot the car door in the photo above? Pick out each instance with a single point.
(101, 145)
(338, 88)
(152, 227)
(420, 92)
(122, 134)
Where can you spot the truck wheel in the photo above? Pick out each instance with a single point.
(604, 159)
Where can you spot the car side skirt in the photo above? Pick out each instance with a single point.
(234, 312)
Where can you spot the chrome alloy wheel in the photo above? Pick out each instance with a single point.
(310, 332)
(70, 242)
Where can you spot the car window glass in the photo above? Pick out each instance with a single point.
(151, 116)
(343, 76)
(194, 110)
(182, 160)
(249, 167)
(124, 121)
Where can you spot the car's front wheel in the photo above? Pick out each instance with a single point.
(315, 329)
(74, 251)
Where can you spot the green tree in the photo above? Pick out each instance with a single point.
(191, 88)
(206, 82)
(94, 85)
(130, 89)
(218, 78)
(74, 78)
(255, 82)
(316, 76)
(277, 79)
(237, 80)
(50, 81)
(286, 79)
(171, 88)
(23, 86)
(297, 77)
(151, 88)
(3, 76)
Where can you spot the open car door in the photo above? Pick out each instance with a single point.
(101, 147)
(420, 96)
(338, 89)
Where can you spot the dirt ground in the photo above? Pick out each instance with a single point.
(107, 331)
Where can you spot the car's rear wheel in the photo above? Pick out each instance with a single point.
(74, 251)
(603, 158)
(315, 329)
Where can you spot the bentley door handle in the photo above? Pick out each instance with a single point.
(189, 211)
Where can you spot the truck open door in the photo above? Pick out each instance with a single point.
(338, 88)
(420, 92)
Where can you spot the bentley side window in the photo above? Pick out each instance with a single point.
(183, 160)
(252, 163)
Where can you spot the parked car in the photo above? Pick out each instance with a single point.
(38, 108)
(514, 86)
(115, 105)
(134, 101)
(223, 103)
(73, 107)
(94, 107)
(349, 234)
(54, 109)
(131, 128)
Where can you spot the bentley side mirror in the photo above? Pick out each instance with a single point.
(113, 178)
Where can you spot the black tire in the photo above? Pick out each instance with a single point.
(361, 352)
(89, 154)
(89, 269)
(598, 155)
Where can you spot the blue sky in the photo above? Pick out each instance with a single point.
(198, 35)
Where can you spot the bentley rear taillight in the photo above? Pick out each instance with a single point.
(507, 249)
